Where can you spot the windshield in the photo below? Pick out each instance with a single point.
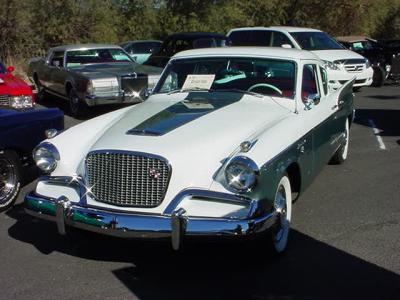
(315, 41)
(96, 56)
(263, 76)
(142, 47)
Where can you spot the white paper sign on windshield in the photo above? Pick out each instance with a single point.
(198, 82)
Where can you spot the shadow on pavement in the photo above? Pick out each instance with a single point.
(386, 120)
(309, 270)
(384, 97)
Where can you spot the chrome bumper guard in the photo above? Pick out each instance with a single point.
(173, 224)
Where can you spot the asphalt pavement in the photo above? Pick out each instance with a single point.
(345, 242)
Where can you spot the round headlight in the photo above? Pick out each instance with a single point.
(46, 157)
(241, 174)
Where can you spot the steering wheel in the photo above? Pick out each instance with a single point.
(265, 85)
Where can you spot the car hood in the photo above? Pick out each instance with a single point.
(195, 133)
(114, 69)
(332, 55)
(187, 125)
(11, 85)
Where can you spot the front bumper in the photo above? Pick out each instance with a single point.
(173, 224)
(117, 98)
(338, 78)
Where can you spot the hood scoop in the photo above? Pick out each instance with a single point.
(151, 132)
(178, 115)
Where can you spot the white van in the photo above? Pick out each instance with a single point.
(341, 63)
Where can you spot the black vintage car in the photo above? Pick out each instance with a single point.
(178, 42)
(377, 54)
(391, 46)
(20, 132)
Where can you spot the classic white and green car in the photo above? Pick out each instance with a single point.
(218, 150)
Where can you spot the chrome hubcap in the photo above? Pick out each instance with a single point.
(74, 101)
(281, 208)
(8, 179)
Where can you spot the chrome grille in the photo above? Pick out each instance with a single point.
(127, 178)
(4, 100)
(354, 68)
(354, 65)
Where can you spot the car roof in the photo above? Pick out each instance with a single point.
(142, 41)
(276, 52)
(278, 28)
(198, 34)
(352, 38)
(84, 47)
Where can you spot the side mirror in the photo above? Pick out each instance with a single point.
(312, 99)
(286, 46)
(315, 98)
(144, 94)
(10, 69)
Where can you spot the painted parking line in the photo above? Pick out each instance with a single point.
(376, 133)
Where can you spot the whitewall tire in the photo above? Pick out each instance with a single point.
(340, 155)
(283, 205)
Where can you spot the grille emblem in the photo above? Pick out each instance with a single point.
(154, 173)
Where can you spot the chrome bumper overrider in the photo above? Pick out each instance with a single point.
(173, 223)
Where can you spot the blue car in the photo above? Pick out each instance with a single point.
(20, 132)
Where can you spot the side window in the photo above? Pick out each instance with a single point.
(57, 59)
(170, 83)
(309, 85)
(280, 39)
(251, 38)
(324, 77)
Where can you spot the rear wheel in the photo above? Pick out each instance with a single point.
(341, 154)
(378, 78)
(10, 178)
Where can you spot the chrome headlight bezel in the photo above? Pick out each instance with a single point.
(21, 102)
(241, 174)
(46, 157)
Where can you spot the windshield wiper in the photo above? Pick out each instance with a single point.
(216, 90)
(194, 89)
(239, 91)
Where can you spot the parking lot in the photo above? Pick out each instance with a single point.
(344, 244)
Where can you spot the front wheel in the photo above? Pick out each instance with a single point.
(40, 92)
(278, 237)
(341, 154)
(77, 107)
(10, 178)
(379, 76)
